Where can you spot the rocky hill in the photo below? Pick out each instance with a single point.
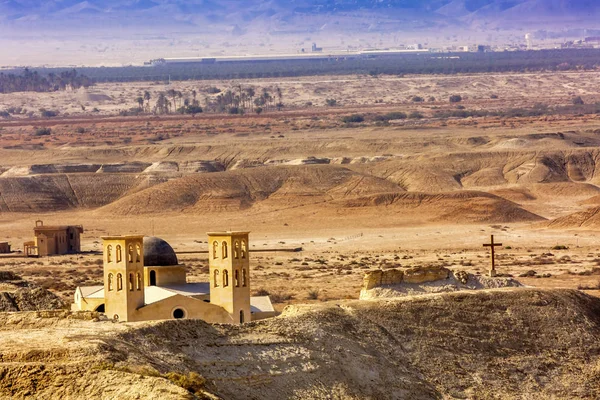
(248, 13)
(511, 343)
(17, 294)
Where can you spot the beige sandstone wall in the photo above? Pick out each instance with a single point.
(411, 275)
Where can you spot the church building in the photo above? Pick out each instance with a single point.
(143, 281)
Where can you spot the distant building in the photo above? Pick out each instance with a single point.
(473, 48)
(529, 40)
(53, 240)
(316, 49)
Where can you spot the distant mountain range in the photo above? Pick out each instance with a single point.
(491, 13)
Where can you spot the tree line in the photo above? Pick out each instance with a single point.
(236, 100)
(34, 81)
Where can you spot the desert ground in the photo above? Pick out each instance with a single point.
(355, 197)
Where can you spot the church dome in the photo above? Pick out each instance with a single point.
(158, 252)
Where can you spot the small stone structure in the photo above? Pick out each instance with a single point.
(53, 240)
(4, 248)
(411, 275)
(424, 280)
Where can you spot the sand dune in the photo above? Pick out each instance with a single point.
(460, 207)
(589, 219)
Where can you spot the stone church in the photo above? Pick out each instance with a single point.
(144, 281)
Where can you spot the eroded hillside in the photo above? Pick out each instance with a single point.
(519, 343)
(449, 175)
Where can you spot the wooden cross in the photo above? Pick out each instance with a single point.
(493, 246)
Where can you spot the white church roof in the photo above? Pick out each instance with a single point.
(152, 294)
(261, 304)
(92, 292)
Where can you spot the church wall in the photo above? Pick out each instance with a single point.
(194, 309)
(123, 258)
(52, 242)
(165, 276)
(87, 304)
(258, 315)
(234, 298)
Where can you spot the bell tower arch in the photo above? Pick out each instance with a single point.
(229, 267)
(123, 277)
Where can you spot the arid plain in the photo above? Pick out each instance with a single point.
(354, 196)
(381, 180)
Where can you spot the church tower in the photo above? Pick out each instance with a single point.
(229, 267)
(123, 276)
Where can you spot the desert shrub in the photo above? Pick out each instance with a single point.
(593, 271)
(4, 114)
(354, 118)
(132, 112)
(261, 292)
(590, 287)
(331, 102)
(80, 130)
(192, 382)
(213, 90)
(560, 247)
(417, 99)
(258, 110)
(190, 110)
(314, 294)
(281, 297)
(49, 113)
(578, 101)
(43, 131)
(415, 115)
(391, 116)
(9, 276)
(494, 96)
(528, 274)
(455, 98)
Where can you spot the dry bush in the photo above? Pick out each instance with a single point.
(281, 297)
(586, 287)
(261, 292)
(192, 382)
(9, 276)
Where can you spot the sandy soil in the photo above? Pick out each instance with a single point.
(355, 197)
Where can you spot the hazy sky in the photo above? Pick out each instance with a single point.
(110, 32)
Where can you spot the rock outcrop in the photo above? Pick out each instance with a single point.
(378, 278)
(18, 295)
(520, 344)
(423, 280)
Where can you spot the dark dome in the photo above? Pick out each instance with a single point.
(158, 253)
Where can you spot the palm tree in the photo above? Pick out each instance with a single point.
(172, 93)
(161, 103)
(179, 96)
(250, 92)
(147, 98)
(267, 99)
